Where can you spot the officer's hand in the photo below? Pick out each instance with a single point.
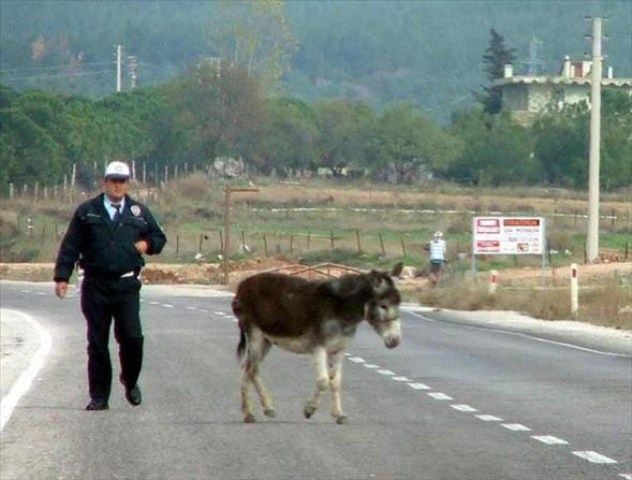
(61, 288)
(141, 246)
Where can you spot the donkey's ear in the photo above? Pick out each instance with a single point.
(380, 281)
(397, 270)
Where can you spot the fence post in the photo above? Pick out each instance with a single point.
(358, 240)
(401, 238)
(265, 244)
(382, 245)
(331, 238)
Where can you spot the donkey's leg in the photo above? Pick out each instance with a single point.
(258, 347)
(335, 381)
(264, 397)
(319, 360)
(246, 401)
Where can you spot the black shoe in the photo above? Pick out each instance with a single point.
(133, 395)
(96, 404)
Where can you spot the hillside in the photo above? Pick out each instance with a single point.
(428, 53)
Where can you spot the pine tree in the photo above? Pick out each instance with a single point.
(497, 55)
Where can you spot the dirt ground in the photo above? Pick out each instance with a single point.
(213, 273)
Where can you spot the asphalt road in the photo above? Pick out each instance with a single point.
(457, 400)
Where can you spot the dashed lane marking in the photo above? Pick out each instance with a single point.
(516, 427)
(594, 457)
(440, 396)
(489, 418)
(549, 439)
(388, 373)
(464, 408)
(418, 386)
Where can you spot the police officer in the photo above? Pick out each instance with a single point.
(108, 235)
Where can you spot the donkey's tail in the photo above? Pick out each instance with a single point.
(241, 347)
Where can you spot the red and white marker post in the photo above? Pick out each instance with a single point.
(493, 282)
(574, 291)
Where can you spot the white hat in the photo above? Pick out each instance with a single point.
(117, 170)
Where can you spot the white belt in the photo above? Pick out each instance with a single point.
(128, 274)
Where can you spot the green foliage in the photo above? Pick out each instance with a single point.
(497, 55)
(344, 128)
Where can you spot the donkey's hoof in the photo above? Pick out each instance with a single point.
(342, 420)
(249, 418)
(309, 411)
(269, 413)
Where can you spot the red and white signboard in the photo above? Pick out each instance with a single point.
(508, 236)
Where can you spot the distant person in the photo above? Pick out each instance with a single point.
(108, 235)
(436, 250)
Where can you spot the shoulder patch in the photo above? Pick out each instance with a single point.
(135, 210)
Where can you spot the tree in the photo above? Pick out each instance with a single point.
(496, 56)
(214, 110)
(343, 131)
(288, 138)
(406, 143)
(495, 150)
(561, 144)
(256, 36)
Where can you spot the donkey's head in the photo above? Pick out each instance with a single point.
(382, 310)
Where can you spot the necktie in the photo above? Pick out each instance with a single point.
(117, 214)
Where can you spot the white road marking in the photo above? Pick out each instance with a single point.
(533, 337)
(516, 427)
(464, 408)
(23, 383)
(371, 365)
(218, 313)
(489, 418)
(549, 439)
(401, 379)
(594, 457)
(191, 308)
(357, 359)
(386, 372)
(154, 303)
(440, 396)
(418, 386)
(167, 305)
(626, 476)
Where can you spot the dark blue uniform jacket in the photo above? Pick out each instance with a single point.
(104, 248)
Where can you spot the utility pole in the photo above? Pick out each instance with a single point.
(119, 59)
(133, 64)
(592, 239)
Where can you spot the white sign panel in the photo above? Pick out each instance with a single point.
(508, 236)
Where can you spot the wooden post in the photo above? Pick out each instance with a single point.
(265, 244)
(227, 203)
(358, 241)
(331, 238)
(227, 200)
(382, 245)
(401, 237)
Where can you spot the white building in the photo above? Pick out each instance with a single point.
(525, 96)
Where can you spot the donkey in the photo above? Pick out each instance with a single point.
(315, 317)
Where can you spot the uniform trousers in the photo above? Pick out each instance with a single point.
(104, 300)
